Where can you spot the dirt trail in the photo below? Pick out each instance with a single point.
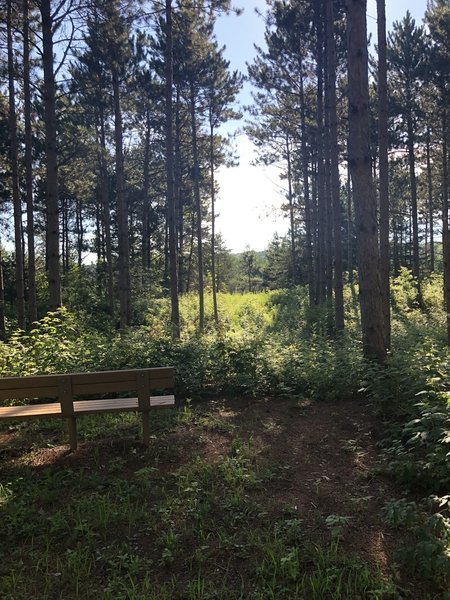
(328, 451)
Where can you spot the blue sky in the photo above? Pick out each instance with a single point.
(250, 199)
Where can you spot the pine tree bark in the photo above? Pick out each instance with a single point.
(338, 281)
(306, 192)
(32, 305)
(179, 204)
(372, 323)
(445, 215)
(291, 213)
(198, 211)
(171, 212)
(104, 190)
(414, 213)
(213, 221)
(13, 156)
(349, 226)
(145, 242)
(2, 300)
(51, 170)
(383, 169)
(122, 212)
(430, 200)
(321, 203)
(80, 232)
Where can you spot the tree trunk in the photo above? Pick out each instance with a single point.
(445, 224)
(179, 204)
(213, 221)
(321, 204)
(349, 227)
(80, 232)
(145, 243)
(2, 300)
(328, 217)
(414, 215)
(335, 181)
(291, 213)
(430, 201)
(122, 212)
(383, 169)
(198, 210)
(191, 254)
(306, 196)
(32, 307)
(396, 250)
(363, 187)
(51, 171)
(171, 213)
(104, 187)
(63, 212)
(13, 149)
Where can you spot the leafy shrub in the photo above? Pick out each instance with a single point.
(428, 539)
(404, 291)
(58, 343)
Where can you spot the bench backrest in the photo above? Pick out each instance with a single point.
(142, 381)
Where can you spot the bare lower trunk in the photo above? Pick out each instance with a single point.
(363, 186)
(51, 171)
(321, 204)
(104, 187)
(445, 224)
(32, 307)
(145, 243)
(171, 213)
(430, 202)
(13, 149)
(305, 173)
(384, 169)
(2, 300)
(179, 204)
(122, 213)
(349, 226)
(198, 210)
(213, 223)
(414, 214)
(335, 181)
(80, 232)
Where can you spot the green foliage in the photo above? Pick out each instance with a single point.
(428, 542)
(271, 343)
(85, 532)
(404, 292)
(58, 343)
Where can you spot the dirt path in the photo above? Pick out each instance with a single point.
(328, 453)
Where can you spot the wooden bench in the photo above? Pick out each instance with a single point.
(65, 388)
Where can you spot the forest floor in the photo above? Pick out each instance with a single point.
(238, 498)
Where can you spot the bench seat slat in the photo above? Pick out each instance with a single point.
(118, 404)
(30, 410)
(81, 407)
(105, 405)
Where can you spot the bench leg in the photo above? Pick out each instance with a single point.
(72, 423)
(146, 427)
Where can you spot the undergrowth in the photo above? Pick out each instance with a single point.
(271, 344)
